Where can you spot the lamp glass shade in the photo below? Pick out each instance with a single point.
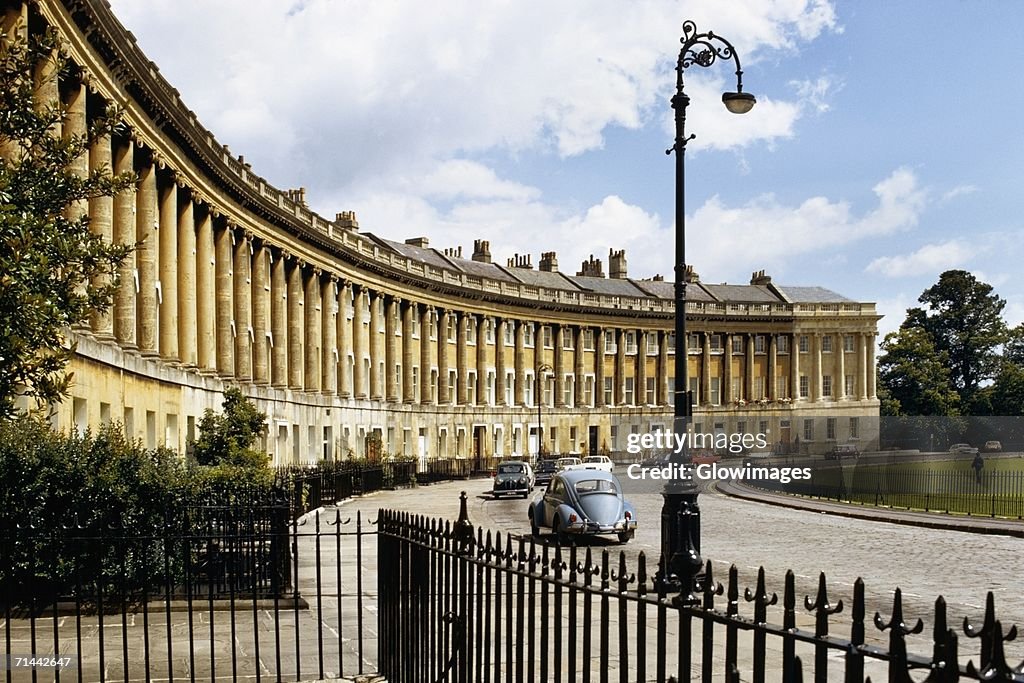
(738, 102)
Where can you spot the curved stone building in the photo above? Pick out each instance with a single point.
(343, 337)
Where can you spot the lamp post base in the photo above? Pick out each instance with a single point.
(680, 562)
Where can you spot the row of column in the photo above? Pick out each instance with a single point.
(202, 292)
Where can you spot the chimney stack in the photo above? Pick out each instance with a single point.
(617, 264)
(421, 242)
(521, 261)
(548, 262)
(453, 252)
(690, 276)
(346, 220)
(482, 251)
(298, 196)
(759, 278)
(591, 268)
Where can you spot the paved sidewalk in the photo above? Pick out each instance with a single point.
(931, 520)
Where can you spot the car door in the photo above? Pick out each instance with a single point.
(553, 497)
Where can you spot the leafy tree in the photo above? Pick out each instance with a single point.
(51, 265)
(228, 438)
(914, 375)
(963, 318)
(1008, 391)
(1013, 349)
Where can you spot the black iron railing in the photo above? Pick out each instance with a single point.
(962, 491)
(461, 605)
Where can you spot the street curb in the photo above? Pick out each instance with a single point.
(897, 517)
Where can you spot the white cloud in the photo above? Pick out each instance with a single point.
(323, 93)
(959, 191)
(931, 258)
(765, 233)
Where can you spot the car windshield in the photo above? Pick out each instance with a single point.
(587, 486)
(546, 466)
(511, 468)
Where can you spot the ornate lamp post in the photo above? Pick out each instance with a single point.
(542, 372)
(680, 516)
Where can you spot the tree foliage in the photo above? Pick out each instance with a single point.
(915, 375)
(963, 318)
(54, 272)
(227, 438)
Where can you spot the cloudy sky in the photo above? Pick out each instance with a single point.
(885, 146)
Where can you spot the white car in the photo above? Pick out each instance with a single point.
(598, 462)
(568, 464)
(963, 449)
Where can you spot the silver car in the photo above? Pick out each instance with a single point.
(583, 503)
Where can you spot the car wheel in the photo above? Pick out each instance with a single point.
(561, 535)
(625, 536)
(534, 529)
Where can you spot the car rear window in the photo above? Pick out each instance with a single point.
(510, 469)
(586, 486)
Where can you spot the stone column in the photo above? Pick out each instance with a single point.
(559, 366)
(462, 359)
(295, 326)
(345, 302)
(872, 370)
(279, 320)
(664, 370)
(599, 368)
(329, 335)
(727, 393)
(260, 314)
(862, 366)
(620, 367)
(705, 371)
(426, 393)
(391, 349)
(225, 309)
(145, 256)
(312, 314)
(839, 382)
(359, 342)
(206, 305)
(519, 362)
(816, 376)
(168, 238)
(376, 381)
(499, 362)
(125, 233)
(794, 367)
(481, 360)
(243, 307)
(101, 224)
(641, 368)
(580, 367)
(75, 127)
(772, 392)
(442, 357)
(749, 390)
(408, 395)
(188, 332)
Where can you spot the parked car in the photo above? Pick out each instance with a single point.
(567, 463)
(843, 450)
(545, 470)
(513, 477)
(963, 449)
(598, 462)
(758, 460)
(993, 446)
(583, 503)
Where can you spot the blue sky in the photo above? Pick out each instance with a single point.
(884, 149)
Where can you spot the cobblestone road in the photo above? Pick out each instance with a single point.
(924, 563)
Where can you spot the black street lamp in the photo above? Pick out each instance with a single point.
(680, 516)
(541, 373)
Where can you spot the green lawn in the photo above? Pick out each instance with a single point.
(938, 485)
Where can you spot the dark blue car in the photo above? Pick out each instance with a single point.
(583, 503)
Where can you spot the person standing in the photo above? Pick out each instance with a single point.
(978, 465)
